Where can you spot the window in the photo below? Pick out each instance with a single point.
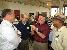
(54, 11)
(65, 11)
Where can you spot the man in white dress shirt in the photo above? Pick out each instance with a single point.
(9, 35)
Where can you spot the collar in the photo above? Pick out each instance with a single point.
(62, 28)
(7, 22)
(24, 23)
(41, 24)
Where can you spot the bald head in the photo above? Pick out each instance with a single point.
(24, 17)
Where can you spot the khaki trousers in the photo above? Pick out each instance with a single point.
(40, 46)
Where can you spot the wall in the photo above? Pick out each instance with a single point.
(23, 8)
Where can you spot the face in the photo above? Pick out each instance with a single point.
(24, 18)
(11, 16)
(41, 19)
(56, 23)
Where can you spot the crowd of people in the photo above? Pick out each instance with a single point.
(44, 33)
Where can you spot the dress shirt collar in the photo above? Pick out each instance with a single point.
(62, 28)
(7, 22)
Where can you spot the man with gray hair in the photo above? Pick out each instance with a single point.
(23, 27)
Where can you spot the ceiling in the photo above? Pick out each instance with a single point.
(43, 3)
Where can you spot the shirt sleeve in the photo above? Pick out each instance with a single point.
(65, 41)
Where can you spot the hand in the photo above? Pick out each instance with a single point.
(33, 28)
(18, 33)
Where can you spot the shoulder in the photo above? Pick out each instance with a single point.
(64, 31)
(46, 25)
(4, 24)
(19, 23)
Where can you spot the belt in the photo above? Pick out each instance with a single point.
(41, 42)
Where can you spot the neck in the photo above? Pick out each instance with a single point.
(8, 20)
(41, 23)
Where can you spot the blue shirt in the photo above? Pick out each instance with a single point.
(24, 29)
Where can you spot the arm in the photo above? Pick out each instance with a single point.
(32, 29)
(39, 33)
(65, 41)
(42, 34)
